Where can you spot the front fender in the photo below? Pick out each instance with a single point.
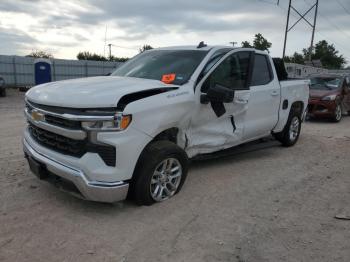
(157, 113)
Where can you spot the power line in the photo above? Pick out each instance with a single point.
(320, 33)
(345, 9)
(301, 17)
(343, 46)
(331, 22)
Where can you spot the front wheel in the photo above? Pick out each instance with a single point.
(290, 134)
(160, 173)
(337, 114)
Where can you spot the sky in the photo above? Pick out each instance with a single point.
(66, 27)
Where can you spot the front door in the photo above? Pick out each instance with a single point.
(218, 126)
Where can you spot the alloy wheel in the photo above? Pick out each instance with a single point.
(294, 128)
(166, 179)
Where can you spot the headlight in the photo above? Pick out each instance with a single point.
(118, 123)
(329, 98)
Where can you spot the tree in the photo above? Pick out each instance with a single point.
(90, 56)
(145, 48)
(96, 57)
(40, 54)
(328, 55)
(246, 44)
(323, 51)
(259, 43)
(296, 58)
(119, 59)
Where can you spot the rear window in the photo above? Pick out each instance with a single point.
(157, 64)
(325, 83)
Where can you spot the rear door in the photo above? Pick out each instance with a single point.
(264, 101)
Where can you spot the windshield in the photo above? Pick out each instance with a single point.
(177, 66)
(323, 83)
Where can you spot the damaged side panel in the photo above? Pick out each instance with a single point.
(129, 98)
(209, 133)
(155, 114)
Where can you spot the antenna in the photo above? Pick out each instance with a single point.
(104, 46)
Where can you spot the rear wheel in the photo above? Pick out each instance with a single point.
(290, 134)
(160, 173)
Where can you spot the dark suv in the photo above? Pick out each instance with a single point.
(2, 87)
(329, 96)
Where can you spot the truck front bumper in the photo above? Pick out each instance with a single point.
(72, 179)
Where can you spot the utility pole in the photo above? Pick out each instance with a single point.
(233, 43)
(286, 32)
(301, 17)
(110, 51)
(313, 32)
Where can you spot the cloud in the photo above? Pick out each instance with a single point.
(69, 26)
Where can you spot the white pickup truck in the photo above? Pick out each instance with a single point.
(133, 133)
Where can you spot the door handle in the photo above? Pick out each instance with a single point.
(274, 93)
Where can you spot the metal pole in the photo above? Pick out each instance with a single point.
(287, 26)
(110, 51)
(313, 32)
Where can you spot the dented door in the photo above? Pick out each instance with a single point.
(210, 132)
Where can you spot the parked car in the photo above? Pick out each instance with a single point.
(329, 96)
(132, 133)
(2, 87)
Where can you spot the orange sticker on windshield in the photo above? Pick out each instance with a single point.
(168, 79)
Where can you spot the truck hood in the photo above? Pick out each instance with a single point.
(91, 92)
(315, 93)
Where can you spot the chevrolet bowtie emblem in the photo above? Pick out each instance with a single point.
(36, 116)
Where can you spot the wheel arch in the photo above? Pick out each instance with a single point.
(169, 134)
(297, 107)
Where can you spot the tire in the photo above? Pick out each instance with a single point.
(2, 92)
(337, 114)
(162, 165)
(290, 133)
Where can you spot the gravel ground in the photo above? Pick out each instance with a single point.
(274, 204)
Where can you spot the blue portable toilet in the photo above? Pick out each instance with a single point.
(42, 71)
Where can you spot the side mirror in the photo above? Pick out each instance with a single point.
(218, 94)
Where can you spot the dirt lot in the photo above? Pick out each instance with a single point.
(275, 204)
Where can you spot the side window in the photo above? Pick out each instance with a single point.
(231, 73)
(212, 61)
(262, 73)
